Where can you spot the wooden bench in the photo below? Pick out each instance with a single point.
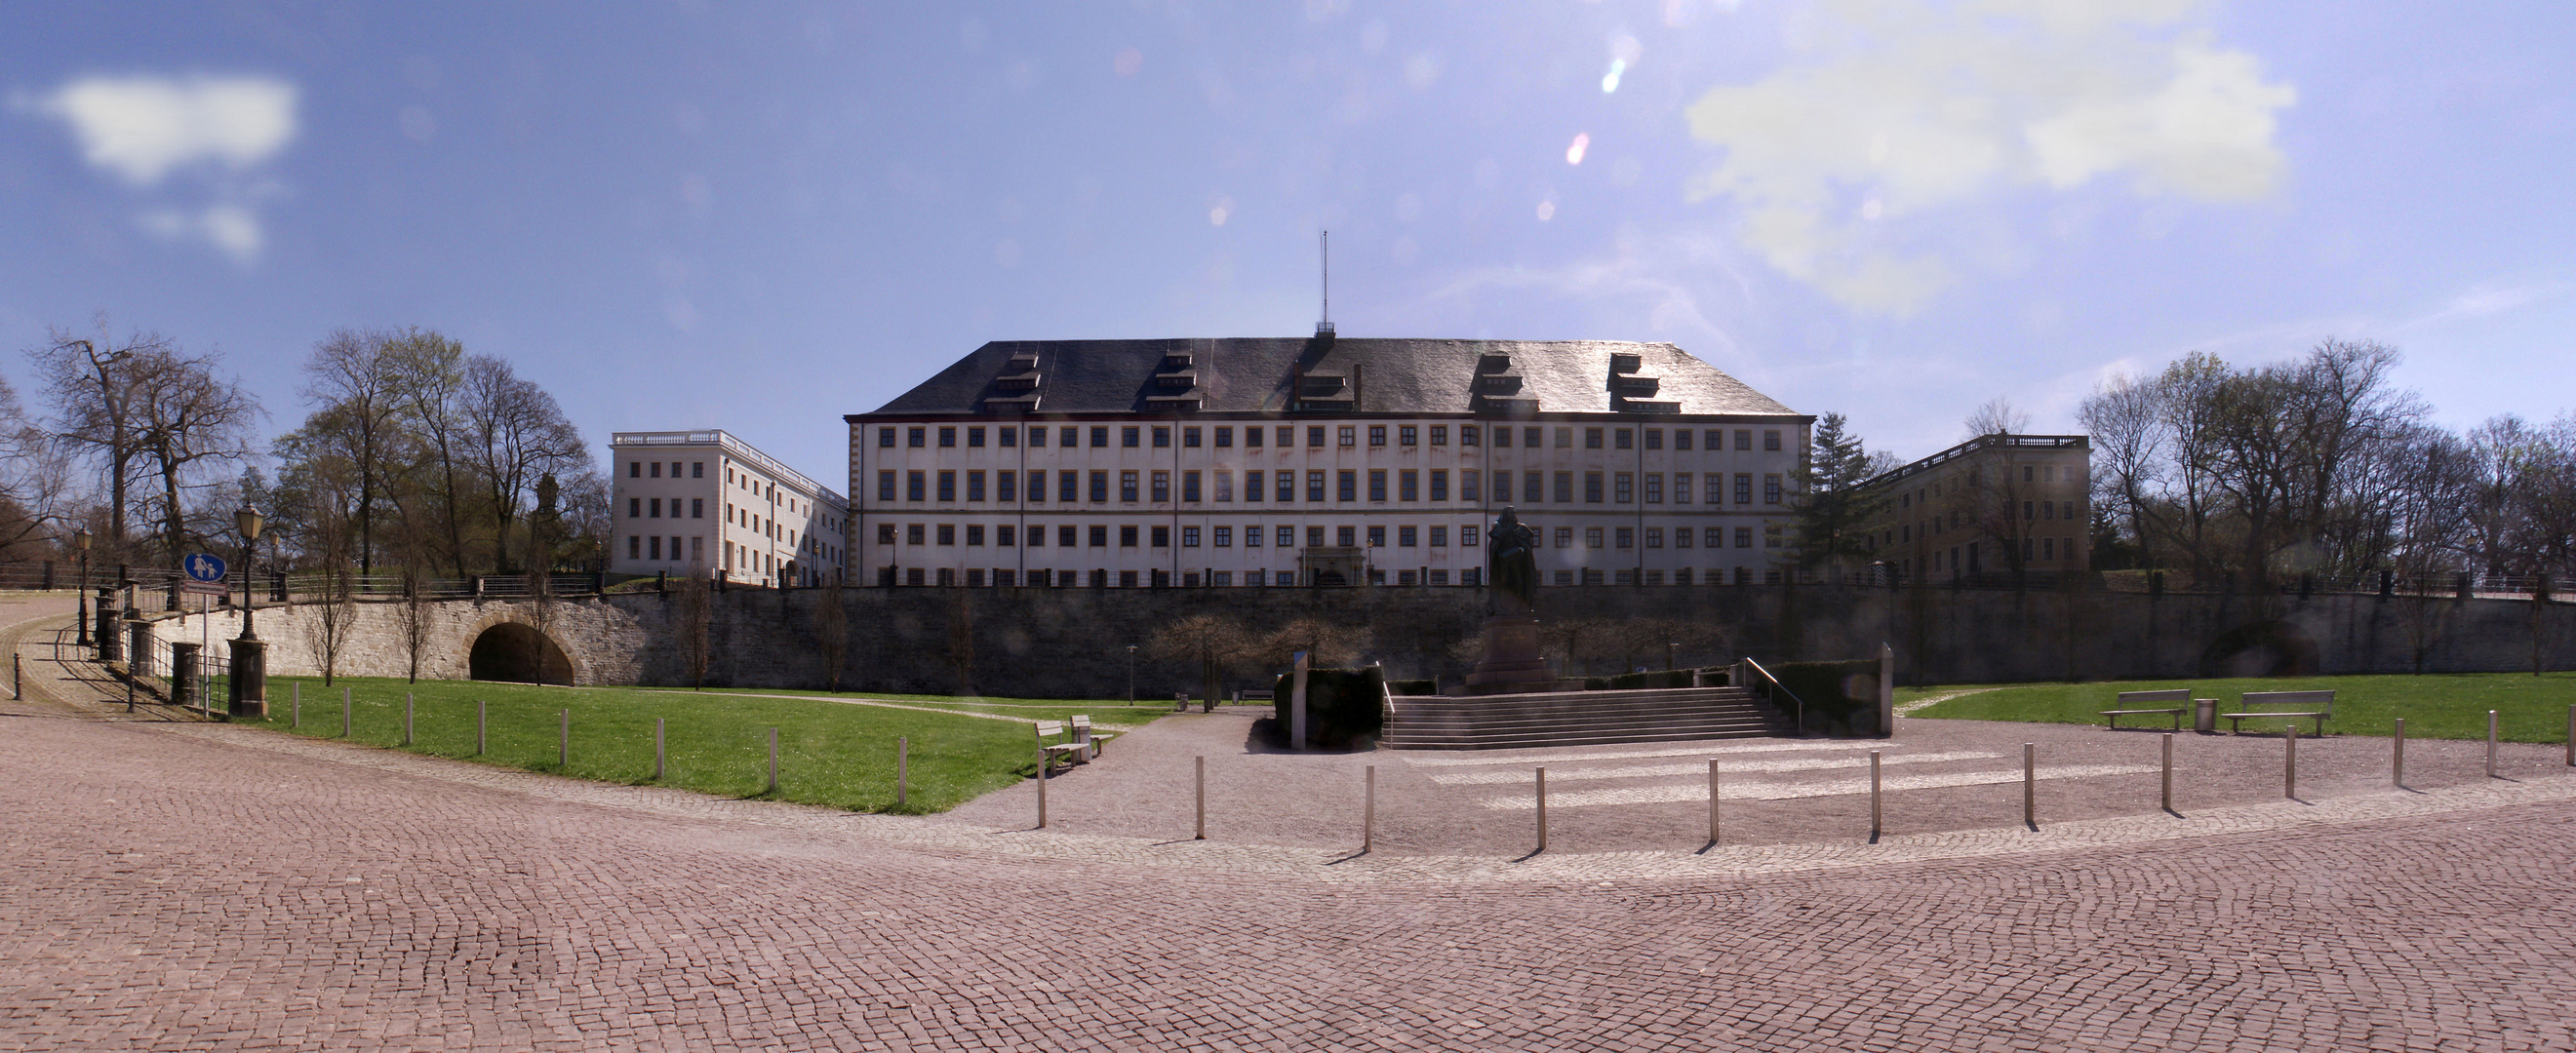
(1088, 739)
(2318, 705)
(1069, 750)
(2135, 702)
(1241, 697)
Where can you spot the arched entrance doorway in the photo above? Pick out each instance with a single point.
(519, 653)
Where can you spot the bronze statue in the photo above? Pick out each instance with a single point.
(1512, 560)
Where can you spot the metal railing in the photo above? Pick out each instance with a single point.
(1800, 704)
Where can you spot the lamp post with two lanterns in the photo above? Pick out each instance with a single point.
(248, 696)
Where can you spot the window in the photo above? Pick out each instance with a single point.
(1349, 478)
(657, 547)
(1162, 487)
(1626, 537)
(657, 473)
(1252, 483)
(1100, 487)
(1065, 438)
(948, 436)
(975, 486)
(1625, 439)
(1225, 437)
(1408, 485)
(1224, 536)
(1565, 537)
(1130, 435)
(1654, 438)
(947, 486)
(1592, 537)
(1771, 489)
(1439, 435)
(1314, 435)
(1251, 437)
(1406, 434)
(1377, 435)
(1003, 535)
(1162, 437)
(1743, 488)
(1681, 439)
(1502, 436)
(2028, 510)
(916, 485)
(1624, 488)
(1565, 487)
(1529, 437)
(1681, 486)
(1591, 488)
(1006, 485)
(947, 533)
(1771, 441)
(1314, 485)
(697, 508)
(1190, 486)
(635, 508)
(974, 533)
(1467, 434)
(1771, 535)
(1288, 486)
(1251, 535)
(1744, 537)
(1100, 435)
(1127, 489)
(1467, 536)
(1100, 536)
(1189, 536)
(1439, 485)
(1190, 438)
(1468, 485)
(1162, 536)
(1037, 436)
(885, 534)
(1068, 486)
(1681, 537)
(634, 470)
(974, 438)
(885, 438)
(1350, 435)
(1064, 536)
(1405, 536)
(1592, 438)
(1654, 488)
(2066, 510)
(913, 533)
(885, 485)
(1744, 438)
(1288, 536)
(1009, 437)
(1377, 484)
(1376, 536)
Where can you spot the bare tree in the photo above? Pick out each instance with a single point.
(1996, 416)
(1326, 643)
(90, 389)
(515, 435)
(1212, 641)
(354, 383)
(831, 634)
(696, 610)
(415, 623)
(334, 610)
(433, 370)
(191, 420)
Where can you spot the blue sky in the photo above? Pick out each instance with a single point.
(760, 217)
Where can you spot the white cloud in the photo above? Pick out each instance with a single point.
(212, 131)
(141, 128)
(1917, 108)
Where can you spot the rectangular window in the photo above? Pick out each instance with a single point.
(1771, 489)
(1252, 535)
(1743, 438)
(1408, 485)
(1065, 536)
(1503, 436)
(1681, 537)
(1162, 437)
(1224, 536)
(1002, 535)
(1376, 536)
(947, 486)
(974, 533)
(1469, 488)
(1162, 536)
(974, 438)
(1744, 537)
(1225, 437)
(1565, 537)
(975, 485)
(1377, 484)
(1626, 537)
(1439, 435)
(1006, 485)
(1771, 441)
(635, 508)
(1128, 489)
(1654, 438)
(1681, 486)
(657, 546)
(1037, 537)
(1624, 488)
(885, 485)
(916, 437)
(1529, 437)
(1377, 435)
(1314, 435)
(885, 438)
(1252, 481)
(1440, 537)
(1592, 438)
(1100, 435)
(1654, 488)
(947, 533)
(1350, 435)
(914, 533)
(697, 507)
(1349, 480)
(634, 546)
(1439, 484)
(1681, 439)
(1564, 488)
(1467, 536)
(1592, 537)
(1288, 486)
(1162, 487)
(947, 436)
(1008, 436)
(1037, 436)
(1743, 488)
(1251, 437)
(1100, 487)
(657, 473)
(885, 534)
(1467, 435)
(1288, 536)
(1130, 436)
(1190, 438)
(1405, 435)
(1066, 437)
(634, 470)
(1405, 536)
(1068, 486)
(1591, 488)
(1314, 485)
(1626, 439)
(1100, 536)
(916, 485)
(1189, 536)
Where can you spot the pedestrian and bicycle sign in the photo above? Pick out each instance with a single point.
(205, 573)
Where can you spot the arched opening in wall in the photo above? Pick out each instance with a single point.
(520, 654)
(2260, 649)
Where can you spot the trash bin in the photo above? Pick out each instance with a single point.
(2204, 715)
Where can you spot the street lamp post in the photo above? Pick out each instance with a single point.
(80, 540)
(1131, 672)
(249, 692)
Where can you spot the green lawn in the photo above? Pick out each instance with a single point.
(2454, 706)
(829, 753)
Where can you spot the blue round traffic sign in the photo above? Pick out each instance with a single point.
(204, 567)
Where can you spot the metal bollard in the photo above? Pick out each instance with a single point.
(2571, 736)
(1542, 809)
(2030, 785)
(345, 724)
(1368, 810)
(406, 718)
(902, 769)
(563, 741)
(1873, 796)
(1042, 781)
(2168, 784)
(773, 760)
(2290, 763)
(2397, 759)
(295, 716)
(661, 725)
(1202, 765)
(1712, 800)
(17, 678)
(2491, 743)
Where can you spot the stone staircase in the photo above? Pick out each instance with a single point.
(1578, 718)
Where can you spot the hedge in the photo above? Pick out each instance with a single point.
(1344, 707)
(1841, 697)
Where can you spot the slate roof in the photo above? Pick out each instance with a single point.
(1259, 375)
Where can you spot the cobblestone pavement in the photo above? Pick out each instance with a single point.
(182, 885)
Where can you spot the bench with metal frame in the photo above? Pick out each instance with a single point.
(2134, 703)
(1091, 740)
(1069, 750)
(2316, 705)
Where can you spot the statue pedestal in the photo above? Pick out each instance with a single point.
(1511, 655)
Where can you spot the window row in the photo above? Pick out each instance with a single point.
(636, 469)
(1341, 484)
(1223, 435)
(1102, 578)
(1098, 535)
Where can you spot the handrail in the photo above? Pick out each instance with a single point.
(1800, 703)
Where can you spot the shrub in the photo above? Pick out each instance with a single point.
(1345, 708)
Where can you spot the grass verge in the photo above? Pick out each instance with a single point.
(830, 752)
(2449, 706)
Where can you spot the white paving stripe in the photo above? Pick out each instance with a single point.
(1534, 756)
(1473, 778)
(1775, 791)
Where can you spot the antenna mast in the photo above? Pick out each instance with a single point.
(1324, 240)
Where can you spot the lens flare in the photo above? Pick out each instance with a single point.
(1610, 80)
(1574, 153)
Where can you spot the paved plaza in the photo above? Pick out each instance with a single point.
(185, 885)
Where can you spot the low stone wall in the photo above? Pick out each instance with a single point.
(1073, 642)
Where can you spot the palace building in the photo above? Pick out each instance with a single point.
(1320, 462)
(1993, 505)
(707, 503)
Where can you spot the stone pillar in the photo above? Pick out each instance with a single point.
(138, 642)
(1886, 691)
(184, 664)
(249, 694)
(110, 649)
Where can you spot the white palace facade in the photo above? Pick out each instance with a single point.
(1319, 462)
